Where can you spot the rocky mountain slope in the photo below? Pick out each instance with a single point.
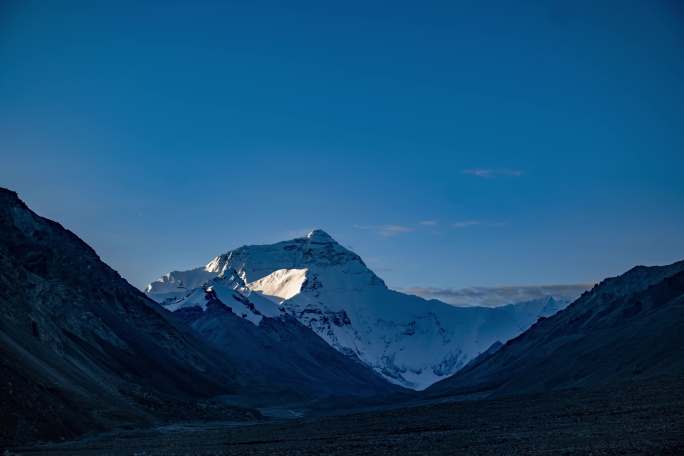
(80, 348)
(627, 328)
(410, 341)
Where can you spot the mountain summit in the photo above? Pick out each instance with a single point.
(316, 252)
(410, 341)
(319, 235)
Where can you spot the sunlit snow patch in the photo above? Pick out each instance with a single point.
(231, 291)
(282, 284)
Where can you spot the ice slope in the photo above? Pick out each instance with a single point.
(411, 341)
(281, 284)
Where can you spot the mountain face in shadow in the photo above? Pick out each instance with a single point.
(285, 360)
(81, 349)
(627, 328)
(295, 363)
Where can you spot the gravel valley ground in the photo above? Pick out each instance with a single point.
(645, 418)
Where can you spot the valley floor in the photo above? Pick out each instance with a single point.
(631, 419)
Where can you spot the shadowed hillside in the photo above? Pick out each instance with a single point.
(627, 328)
(81, 349)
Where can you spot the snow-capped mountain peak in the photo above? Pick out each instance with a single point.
(328, 288)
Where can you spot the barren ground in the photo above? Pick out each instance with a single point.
(630, 419)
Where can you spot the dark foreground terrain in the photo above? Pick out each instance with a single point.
(645, 418)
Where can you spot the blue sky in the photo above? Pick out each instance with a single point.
(451, 144)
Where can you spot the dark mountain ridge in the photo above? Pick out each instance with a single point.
(627, 328)
(80, 348)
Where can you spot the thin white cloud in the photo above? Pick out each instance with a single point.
(386, 230)
(489, 173)
(390, 230)
(465, 223)
(498, 296)
(393, 230)
(468, 223)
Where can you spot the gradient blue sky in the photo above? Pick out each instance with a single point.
(449, 143)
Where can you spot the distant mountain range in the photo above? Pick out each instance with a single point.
(627, 328)
(410, 341)
(496, 296)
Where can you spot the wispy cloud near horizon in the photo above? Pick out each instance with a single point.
(465, 223)
(489, 173)
(469, 223)
(390, 230)
(498, 296)
(387, 230)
